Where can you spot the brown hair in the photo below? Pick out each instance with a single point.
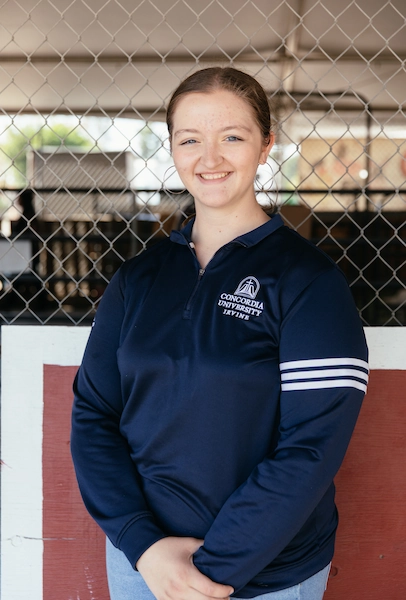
(232, 80)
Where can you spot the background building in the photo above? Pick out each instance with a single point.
(83, 89)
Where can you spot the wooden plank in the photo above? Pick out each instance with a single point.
(370, 550)
(73, 561)
(51, 549)
(25, 349)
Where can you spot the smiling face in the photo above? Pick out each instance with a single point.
(217, 146)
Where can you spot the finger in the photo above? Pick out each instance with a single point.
(181, 589)
(207, 587)
(194, 544)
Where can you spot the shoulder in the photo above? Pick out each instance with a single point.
(299, 255)
(148, 261)
(135, 273)
(301, 263)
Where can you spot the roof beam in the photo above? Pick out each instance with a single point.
(268, 56)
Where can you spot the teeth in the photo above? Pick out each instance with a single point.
(213, 175)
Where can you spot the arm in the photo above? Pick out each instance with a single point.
(107, 478)
(316, 422)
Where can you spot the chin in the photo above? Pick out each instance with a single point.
(213, 204)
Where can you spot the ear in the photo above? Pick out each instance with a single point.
(267, 148)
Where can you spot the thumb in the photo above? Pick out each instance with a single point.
(210, 588)
(194, 544)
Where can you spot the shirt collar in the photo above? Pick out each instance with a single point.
(247, 239)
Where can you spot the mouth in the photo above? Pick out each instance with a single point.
(214, 176)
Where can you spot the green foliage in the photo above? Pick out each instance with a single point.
(17, 141)
(149, 141)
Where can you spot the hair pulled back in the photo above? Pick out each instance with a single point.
(232, 80)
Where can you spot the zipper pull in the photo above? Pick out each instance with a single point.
(201, 273)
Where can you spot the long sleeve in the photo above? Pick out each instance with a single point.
(323, 380)
(107, 477)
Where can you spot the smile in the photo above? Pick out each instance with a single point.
(214, 175)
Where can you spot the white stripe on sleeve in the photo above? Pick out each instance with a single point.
(312, 374)
(328, 383)
(322, 373)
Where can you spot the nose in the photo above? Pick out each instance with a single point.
(211, 155)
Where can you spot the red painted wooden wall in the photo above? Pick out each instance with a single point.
(370, 556)
(73, 560)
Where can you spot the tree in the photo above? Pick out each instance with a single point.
(17, 141)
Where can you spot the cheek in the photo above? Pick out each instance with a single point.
(248, 164)
(180, 160)
(182, 169)
(185, 168)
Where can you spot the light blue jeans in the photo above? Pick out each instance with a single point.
(127, 584)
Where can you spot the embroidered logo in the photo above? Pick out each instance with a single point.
(242, 304)
(248, 287)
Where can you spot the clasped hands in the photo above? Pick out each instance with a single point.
(168, 570)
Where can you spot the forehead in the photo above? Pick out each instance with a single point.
(212, 106)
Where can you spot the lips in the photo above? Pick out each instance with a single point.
(212, 176)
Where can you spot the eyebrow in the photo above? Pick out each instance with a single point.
(228, 128)
(182, 131)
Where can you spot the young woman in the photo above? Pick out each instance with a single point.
(221, 382)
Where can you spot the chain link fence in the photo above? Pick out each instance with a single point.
(85, 177)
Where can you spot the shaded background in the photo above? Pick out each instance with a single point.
(84, 179)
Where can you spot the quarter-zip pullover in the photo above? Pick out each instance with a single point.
(219, 404)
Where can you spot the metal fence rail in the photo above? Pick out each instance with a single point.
(84, 154)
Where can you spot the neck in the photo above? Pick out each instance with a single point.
(214, 229)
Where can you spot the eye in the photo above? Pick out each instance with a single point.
(187, 142)
(233, 138)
